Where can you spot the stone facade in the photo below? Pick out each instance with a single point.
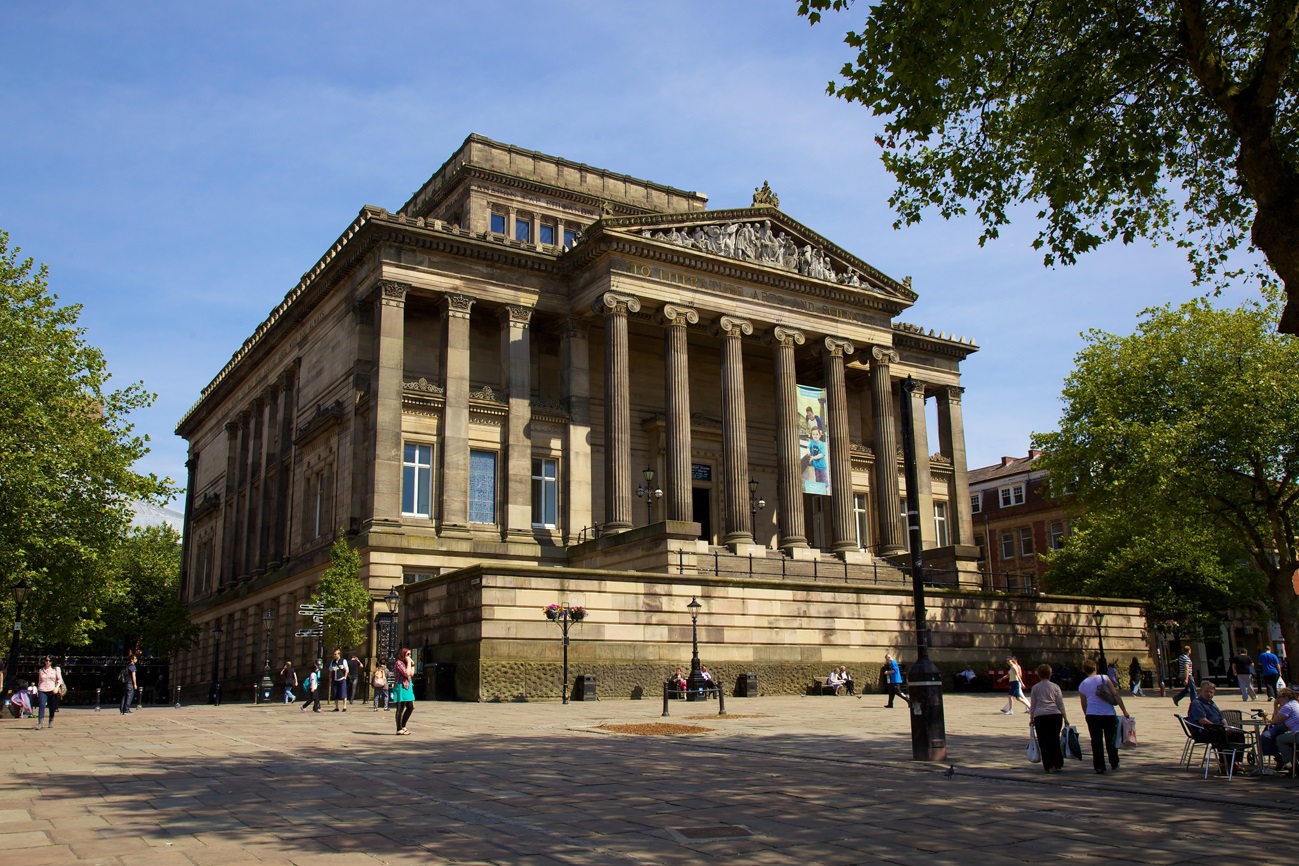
(536, 363)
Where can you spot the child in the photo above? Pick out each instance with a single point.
(313, 688)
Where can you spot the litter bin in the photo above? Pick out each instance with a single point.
(584, 688)
(444, 681)
(746, 686)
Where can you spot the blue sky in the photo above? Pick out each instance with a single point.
(179, 166)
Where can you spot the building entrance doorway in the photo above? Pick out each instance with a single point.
(814, 517)
(702, 511)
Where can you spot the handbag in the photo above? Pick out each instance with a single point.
(1070, 745)
(1105, 691)
(1034, 751)
(60, 686)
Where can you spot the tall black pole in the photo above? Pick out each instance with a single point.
(924, 681)
(695, 683)
(11, 669)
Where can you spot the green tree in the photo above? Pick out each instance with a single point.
(341, 587)
(1191, 420)
(66, 457)
(146, 610)
(1117, 120)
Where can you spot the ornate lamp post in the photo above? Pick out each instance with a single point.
(215, 696)
(1098, 618)
(564, 615)
(267, 685)
(393, 600)
(695, 683)
(21, 593)
(649, 493)
(756, 503)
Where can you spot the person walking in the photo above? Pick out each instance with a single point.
(1185, 675)
(1243, 667)
(338, 681)
(1134, 678)
(312, 687)
(1015, 682)
(379, 682)
(290, 678)
(127, 676)
(402, 693)
(1099, 698)
(893, 680)
(1048, 717)
(1269, 670)
(49, 683)
(355, 670)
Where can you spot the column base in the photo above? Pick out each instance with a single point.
(890, 550)
(804, 553)
(853, 556)
(733, 539)
(742, 548)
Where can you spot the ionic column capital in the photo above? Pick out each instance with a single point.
(884, 355)
(782, 336)
(674, 316)
(613, 303)
(457, 306)
(838, 347)
(730, 326)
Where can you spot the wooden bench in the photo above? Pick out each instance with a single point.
(819, 687)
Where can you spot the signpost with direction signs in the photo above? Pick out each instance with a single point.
(317, 613)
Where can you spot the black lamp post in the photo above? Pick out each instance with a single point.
(215, 696)
(1099, 618)
(925, 683)
(695, 683)
(649, 493)
(756, 503)
(393, 600)
(21, 592)
(267, 685)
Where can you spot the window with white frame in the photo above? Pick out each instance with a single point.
(482, 486)
(976, 503)
(1026, 541)
(940, 523)
(859, 519)
(1012, 495)
(1057, 534)
(417, 480)
(545, 492)
(1007, 545)
(546, 233)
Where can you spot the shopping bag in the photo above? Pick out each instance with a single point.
(1127, 733)
(1034, 750)
(1070, 745)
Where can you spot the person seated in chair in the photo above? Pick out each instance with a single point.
(1280, 738)
(846, 679)
(834, 682)
(966, 679)
(1209, 727)
(678, 684)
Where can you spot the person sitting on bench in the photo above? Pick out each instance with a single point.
(834, 682)
(678, 684)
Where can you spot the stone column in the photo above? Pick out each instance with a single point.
(789, 480)
(843, 534)
(516, 358)
(887, 501)
(920, 441)
(454, 510)
(191, 470)
(256, 451)
(576, 475)
(617, 409)
(241, 501)
(229, 514)
(735, 446)
(389, 368)
(284, 458)
(270, 474)
(676, 399)
(951, 443)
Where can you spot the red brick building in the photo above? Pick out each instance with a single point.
(1015, 521)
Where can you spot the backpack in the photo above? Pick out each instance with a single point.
(124, 675)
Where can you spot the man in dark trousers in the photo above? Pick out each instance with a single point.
(893, 680)
(127, 676)
(1185, 675)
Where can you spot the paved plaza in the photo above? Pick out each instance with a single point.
(782, 780)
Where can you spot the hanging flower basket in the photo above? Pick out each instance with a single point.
(552, 611)
(577, 613)
(555, 612)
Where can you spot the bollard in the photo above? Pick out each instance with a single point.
(665, 700)
(721, 701)
(216, 695)
(177, 704)
(97, 691)
(257, 694)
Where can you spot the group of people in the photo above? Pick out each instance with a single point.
(1265, 669)
(344, 674)
(1101, 703)
(44, 695)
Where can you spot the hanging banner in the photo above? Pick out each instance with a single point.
(813, 441)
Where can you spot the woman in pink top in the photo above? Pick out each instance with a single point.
(48, 680)
(1049, 716)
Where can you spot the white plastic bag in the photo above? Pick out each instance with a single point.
(1127, 733)
(1034, 751)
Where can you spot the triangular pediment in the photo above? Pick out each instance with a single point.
(762, 237)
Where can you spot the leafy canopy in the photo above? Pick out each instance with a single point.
(1173, 121)
(341, 587)
(1183, 434)
(66, 457)
(145, 610)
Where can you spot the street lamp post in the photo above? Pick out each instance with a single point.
(695, 683)
(649, 493)
(756, 503)
(1099, 618)
(925, 683)
(215, 696)
(267, 685)
(393, 601)
(21, 593)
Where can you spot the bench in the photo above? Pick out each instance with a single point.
(710, 691)
(819, 687)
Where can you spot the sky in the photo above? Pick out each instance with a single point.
(180, 165)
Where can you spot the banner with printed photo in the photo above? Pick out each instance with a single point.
(813, 441)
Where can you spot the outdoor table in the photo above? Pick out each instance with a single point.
(1258, 725)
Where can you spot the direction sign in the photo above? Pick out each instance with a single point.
(309, 632)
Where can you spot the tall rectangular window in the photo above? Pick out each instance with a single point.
(940, 523)
(1007, 545)
(545, 492)
(859, 518)
(482, 486)
(1026, 541)
(318, 507)
(498, 223)
(976, 502)
(546, 233)
(523, 230)
(417, 480)
(1057, 534)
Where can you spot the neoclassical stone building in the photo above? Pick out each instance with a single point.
(540, 381)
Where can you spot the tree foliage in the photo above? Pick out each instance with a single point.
(66, 457)
(1187, 428)
(1169, 120)
(341, 587)
(145, 610)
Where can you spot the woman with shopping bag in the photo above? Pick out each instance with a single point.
(1048, 717)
